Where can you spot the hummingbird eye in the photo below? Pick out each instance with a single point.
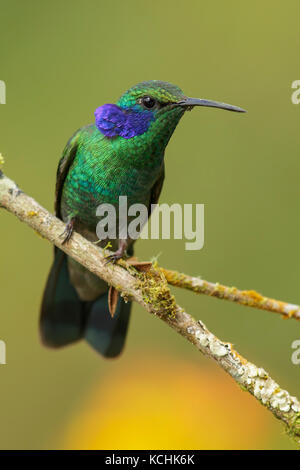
(148, 102)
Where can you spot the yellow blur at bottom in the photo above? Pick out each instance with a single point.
(159, 403)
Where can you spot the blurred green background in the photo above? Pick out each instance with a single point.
(62, 59)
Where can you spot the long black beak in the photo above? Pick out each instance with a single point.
(191, 102)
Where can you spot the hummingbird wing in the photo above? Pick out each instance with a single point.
(61, 310)
(156, 189)
(63, 167)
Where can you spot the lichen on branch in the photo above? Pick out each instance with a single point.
(249, 298)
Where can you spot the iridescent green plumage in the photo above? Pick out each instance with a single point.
(121, 155)
(103, 169)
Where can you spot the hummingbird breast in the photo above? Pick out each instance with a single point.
(101, 172)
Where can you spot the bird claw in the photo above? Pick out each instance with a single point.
(67, 233)
(113, 258)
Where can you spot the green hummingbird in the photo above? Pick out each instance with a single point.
(120, 154)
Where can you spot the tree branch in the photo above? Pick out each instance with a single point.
(150, 289)
(249, 298)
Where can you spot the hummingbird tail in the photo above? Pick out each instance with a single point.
(66, 319)
(105, 334)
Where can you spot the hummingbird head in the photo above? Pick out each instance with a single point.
(152, 107)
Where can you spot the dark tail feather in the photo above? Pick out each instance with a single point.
(62, 319)
(105, 334)
(66, 319)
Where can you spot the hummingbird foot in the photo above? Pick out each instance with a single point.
(69, 229)
(118, 254)
(113, 258)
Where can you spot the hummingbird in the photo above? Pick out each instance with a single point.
(120, 154)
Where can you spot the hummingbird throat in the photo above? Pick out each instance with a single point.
(112, 121)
